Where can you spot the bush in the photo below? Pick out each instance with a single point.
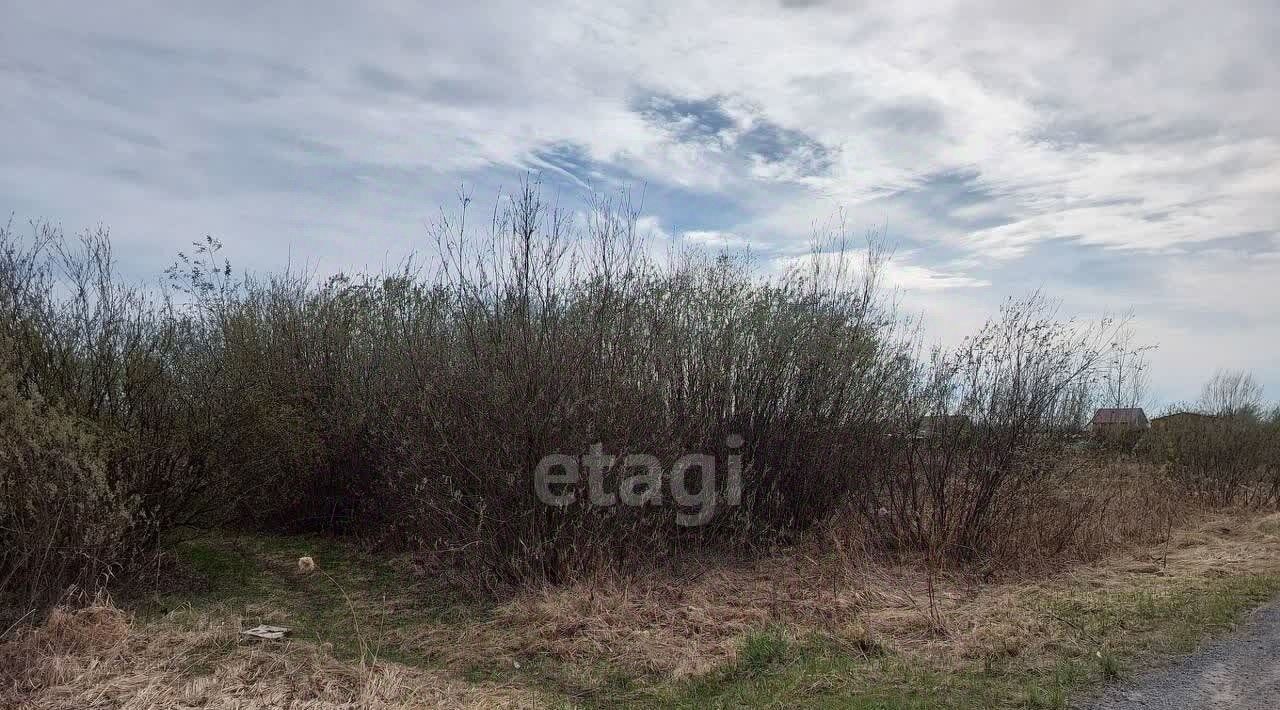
(414, 407)
(1227, 460)
(62, 521)
(560, 344)
(958, 485)
(103, 448)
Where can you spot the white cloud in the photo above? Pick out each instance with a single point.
(714, 240)
(332, 130)
(897, 273)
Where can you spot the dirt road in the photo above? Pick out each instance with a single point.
(1241, 670)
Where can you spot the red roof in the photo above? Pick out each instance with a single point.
(1125, 415)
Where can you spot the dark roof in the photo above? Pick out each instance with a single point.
(1190, 415)
(1127, 415)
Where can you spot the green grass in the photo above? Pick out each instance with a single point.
(357, 600)
(354, 601)
(824, 673)
(1150, 622)
(763, 650)
(1107, 637)
(223, 571)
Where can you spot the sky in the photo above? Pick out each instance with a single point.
(1117, 156)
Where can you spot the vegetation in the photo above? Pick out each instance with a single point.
(371, 630)
(411, 410)
(413, 407)
(1229, 450)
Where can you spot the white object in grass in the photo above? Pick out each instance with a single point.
(263, 631)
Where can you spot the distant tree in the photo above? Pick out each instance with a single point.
(1127, 373)
(1232, 393)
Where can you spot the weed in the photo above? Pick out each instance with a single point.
(763, 649)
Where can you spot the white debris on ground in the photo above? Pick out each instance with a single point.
(263, 631)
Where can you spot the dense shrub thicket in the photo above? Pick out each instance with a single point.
(414, 407)
(61, 515)
(1228, 459)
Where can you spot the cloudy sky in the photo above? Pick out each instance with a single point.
(1117, 155)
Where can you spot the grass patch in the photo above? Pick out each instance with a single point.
(826, 674)
(763, 650)
(1106, 636)
(222, 571)
(1150, 622)
(358, 603)
(355, 601)
(1270, 526)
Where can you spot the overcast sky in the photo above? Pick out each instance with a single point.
(1117, 155)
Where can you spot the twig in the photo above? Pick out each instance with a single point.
(15, 624)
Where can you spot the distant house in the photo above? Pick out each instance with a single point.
(1119, 421)
(1182, 420)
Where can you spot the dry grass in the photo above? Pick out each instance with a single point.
(98, 658)
(657, 625)
(1095, 510)
(654, 626)
(1012, 619)
(668, 625)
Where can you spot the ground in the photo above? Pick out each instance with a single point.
(811, 626)
(1237, 672)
